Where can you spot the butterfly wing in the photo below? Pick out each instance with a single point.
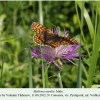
(52, 40)
(40, 29)
(42, 33)
(54, 44)
(46, 39)
(38, 40)
(67, 41)
(55, 41)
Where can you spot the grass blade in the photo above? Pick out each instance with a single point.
(94, 57)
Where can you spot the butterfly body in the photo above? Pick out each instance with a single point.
(45, 36)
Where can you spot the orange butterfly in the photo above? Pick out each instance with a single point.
(45, 36)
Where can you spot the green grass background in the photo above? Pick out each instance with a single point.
(81, 19)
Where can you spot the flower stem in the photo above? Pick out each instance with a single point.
(59, 79)
(30, 69)
(2, 57)
(41, 21)
(46, 80)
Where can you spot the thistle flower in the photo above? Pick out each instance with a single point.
(52, 55)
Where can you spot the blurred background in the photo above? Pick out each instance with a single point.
(16, 35)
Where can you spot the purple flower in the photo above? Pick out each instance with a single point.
(52, 55)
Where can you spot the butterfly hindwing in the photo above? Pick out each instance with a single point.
(38, 40)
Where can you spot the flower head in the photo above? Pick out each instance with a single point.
(52, 54)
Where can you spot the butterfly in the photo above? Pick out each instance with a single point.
(45, 36)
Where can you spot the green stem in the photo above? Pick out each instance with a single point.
(2, 56)
(59, 79)
(46, 79)
(30, 69)
(79, 75)
(41, 22)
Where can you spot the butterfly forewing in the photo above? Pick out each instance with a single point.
(39, 29)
